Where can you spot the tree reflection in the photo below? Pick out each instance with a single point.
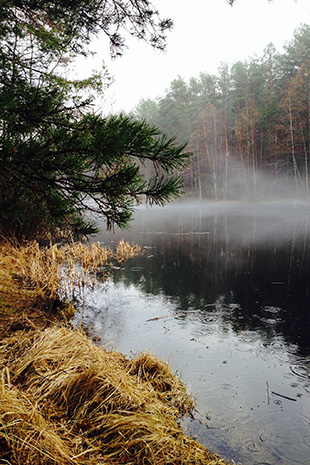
(257, 265)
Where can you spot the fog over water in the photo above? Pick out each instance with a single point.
(221, 290)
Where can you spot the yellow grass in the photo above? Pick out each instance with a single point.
(65, 400)
(54, 272)
(25, 435)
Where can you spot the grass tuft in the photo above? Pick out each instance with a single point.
(65, 400)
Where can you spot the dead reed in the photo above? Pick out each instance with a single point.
(64, 400)
(50, 274)
(25, 435)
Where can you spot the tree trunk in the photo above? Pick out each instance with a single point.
(295, 167)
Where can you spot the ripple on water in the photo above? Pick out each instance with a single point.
(277, 402)
(247, 341)
(249, 337)
(298, 419)
(226, 386)
(306, 440)
(272, 310)
(299, 371)
(263, 463)
(251, 446)
(277, 345)
(276, 435)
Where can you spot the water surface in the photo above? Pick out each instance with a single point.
(222, 292)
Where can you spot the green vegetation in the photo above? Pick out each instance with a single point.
(58, 159)
(251, 119)
(62, 399)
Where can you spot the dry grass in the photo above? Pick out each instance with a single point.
(63, 400)
(66, 401)
(25, 435)
(158, 374)
(48, 274)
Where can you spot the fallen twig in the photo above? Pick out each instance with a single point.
(163, 317)
(268, 392)
(284, 397)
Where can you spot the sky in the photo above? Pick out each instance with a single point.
(206, 33)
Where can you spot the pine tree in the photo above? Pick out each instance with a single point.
(59, 160)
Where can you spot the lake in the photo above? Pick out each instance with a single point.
(222, 291)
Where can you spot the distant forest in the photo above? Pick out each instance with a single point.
(248, 127)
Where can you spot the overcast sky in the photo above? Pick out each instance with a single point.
(205, 33)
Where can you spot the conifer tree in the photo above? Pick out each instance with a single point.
(58, 159)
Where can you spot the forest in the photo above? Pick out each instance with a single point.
(248, 127)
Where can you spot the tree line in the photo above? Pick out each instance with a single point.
(248, 123)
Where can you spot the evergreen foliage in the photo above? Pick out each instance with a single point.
(58, 159)
(253, 118)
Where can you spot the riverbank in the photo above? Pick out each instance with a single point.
(66, 401)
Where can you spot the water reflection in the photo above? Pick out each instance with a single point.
(254, 261)
(223, 291)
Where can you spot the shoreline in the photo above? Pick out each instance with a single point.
(75, 402)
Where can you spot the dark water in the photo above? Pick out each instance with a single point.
(222, 291)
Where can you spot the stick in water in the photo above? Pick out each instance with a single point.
(284, 397)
